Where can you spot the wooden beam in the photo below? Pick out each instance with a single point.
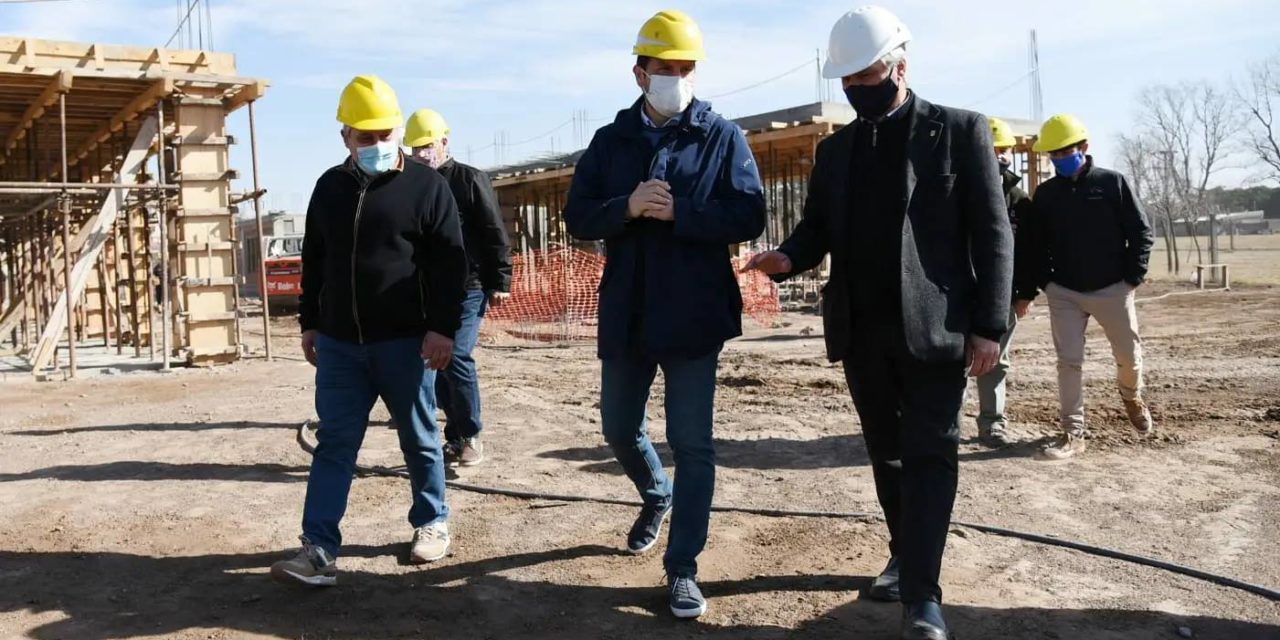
(227, 81)
(246, 94)
(816, 128)
(99, 228)
(549, 174)
(29, 53)
(157, 91)
(83, 55)
(60, 84)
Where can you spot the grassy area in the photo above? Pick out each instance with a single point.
(1256, 259)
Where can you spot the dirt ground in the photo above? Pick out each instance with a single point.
(150, 505)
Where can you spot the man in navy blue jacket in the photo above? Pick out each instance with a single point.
(669, 186)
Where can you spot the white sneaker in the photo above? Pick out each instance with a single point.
(430, 543)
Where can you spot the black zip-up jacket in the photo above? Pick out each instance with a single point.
(483, 229)
(383, 257)
(1020, 212)
(1088, 233)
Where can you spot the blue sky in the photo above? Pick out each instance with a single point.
(522, 68)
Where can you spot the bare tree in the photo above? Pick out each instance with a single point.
(1259, 97)
(1138, 159)
(1191, 126)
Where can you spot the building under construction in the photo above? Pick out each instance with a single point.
(784, 142)
(116, 209)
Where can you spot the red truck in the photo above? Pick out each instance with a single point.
(284, 270)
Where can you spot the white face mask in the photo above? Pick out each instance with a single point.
(433, 156)
(669, 95)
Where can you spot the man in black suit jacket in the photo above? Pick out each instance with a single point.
(907, 201)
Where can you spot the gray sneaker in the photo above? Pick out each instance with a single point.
(996, 436)
(685, 597)
(430, 543)
(311, 566)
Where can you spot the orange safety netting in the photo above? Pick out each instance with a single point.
(554, 299)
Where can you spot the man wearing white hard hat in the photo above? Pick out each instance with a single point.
(907, 201)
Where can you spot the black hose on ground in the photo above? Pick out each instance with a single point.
(306, 441)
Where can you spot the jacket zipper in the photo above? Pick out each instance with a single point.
(355, 240)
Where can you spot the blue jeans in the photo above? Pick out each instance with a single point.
(349, 379)
(690, 405)
(457, 387)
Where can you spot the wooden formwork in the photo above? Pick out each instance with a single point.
(533, 196)
(114, 148)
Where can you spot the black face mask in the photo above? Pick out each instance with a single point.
(1004, 164)
(872, 101)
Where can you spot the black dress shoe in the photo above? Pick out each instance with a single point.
(885, 586)
(923, 621)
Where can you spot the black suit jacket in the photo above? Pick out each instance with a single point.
(957, 247)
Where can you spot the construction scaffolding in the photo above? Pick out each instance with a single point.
(116, 211)
(784, 142)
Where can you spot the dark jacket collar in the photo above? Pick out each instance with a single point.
(697, 117)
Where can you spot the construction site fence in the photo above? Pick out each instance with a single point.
(554, 297)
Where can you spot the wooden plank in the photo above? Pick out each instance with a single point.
(550, 174)
(183, 212)
(246, 94)
(229, 174)
(210, 317)
(158, 90)
(60, 85)
(72, 55)
(812, 129)
(134, 162)
(209, 283)
(208, 141)
(202, 247)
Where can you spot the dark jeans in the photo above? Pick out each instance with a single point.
(690, 404)
(349, 379)
(910, 413)
(457, 386)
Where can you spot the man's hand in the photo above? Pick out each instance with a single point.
(983, 355)
(496, 298)
(309, 345)
(665, 213)
(770, 263)
(650, 194)
(437, 350)
(1021, 307)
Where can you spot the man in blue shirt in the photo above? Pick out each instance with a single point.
(668, 186)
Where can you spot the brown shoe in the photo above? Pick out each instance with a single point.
(466, 452)
(1066, 446)
(1139, 415)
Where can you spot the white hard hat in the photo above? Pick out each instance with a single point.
(861, 38)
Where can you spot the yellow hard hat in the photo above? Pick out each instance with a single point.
(1059, 132)
(369, 104)
(425, 127)
(1002, 134)
(670, 35)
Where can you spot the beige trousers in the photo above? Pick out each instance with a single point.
(1069, 313)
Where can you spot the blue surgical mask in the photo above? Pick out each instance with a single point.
(1069, 166)
(378, 158)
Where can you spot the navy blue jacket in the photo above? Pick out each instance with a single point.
(668, 288)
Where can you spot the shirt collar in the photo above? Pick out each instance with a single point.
(648, 122)
(901, 109)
